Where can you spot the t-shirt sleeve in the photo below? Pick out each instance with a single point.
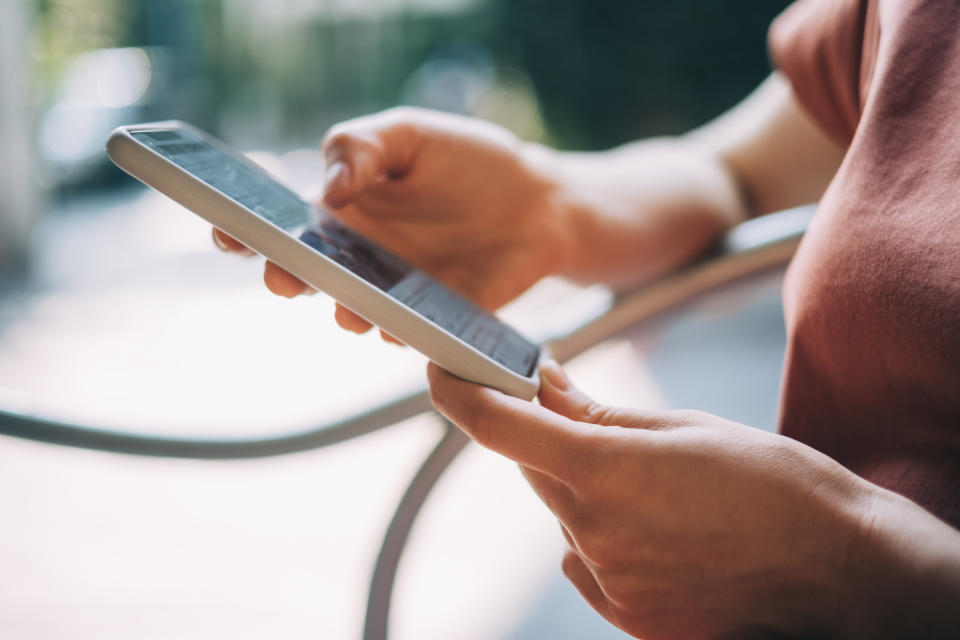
(818, 45)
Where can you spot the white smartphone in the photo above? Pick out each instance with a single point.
(240, 198)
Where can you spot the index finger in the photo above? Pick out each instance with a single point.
(522, 431)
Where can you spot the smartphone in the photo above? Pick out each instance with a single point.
(243, 200)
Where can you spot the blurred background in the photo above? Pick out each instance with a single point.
(275, 74)
(114, 309)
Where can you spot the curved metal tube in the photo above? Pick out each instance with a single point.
(42, 429)
(395, 538)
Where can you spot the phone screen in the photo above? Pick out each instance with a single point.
(265, 197)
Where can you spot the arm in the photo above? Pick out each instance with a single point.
(646, 208)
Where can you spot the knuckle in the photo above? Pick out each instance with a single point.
(599, 551)
(386, 136)
(348, 138)
(593, 411)
(597, 413)
(685, 417)
(338, 137)
(479, 424)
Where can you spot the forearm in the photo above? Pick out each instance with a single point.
(642, 210)
(778, 154)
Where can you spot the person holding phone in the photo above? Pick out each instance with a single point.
(682, 524)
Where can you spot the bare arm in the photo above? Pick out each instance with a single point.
(646, 208)
(778, 155)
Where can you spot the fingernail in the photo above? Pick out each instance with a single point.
(552, 372)
(217, 241)
(337, 177)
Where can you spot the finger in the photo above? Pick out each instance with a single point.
(282, 282)
(583, 579)
(520, 430)
(558, 394)
(226, 243)
(558, 497)
(389, 338)
(349, 320)
(361, 153)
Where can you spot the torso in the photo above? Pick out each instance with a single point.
(872, 299)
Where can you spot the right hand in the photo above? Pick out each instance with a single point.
(458, 198)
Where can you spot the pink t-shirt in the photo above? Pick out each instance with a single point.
(872, 299)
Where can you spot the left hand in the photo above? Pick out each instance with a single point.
(680, 524)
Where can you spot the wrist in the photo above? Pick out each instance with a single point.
(562, 221)
(902, 576)
(638, 212)
(588, 214)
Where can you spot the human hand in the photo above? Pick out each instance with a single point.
(680, 524)
(454, 196)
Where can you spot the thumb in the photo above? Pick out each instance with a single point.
(559, 395)
(361, 153)
(353, 165)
